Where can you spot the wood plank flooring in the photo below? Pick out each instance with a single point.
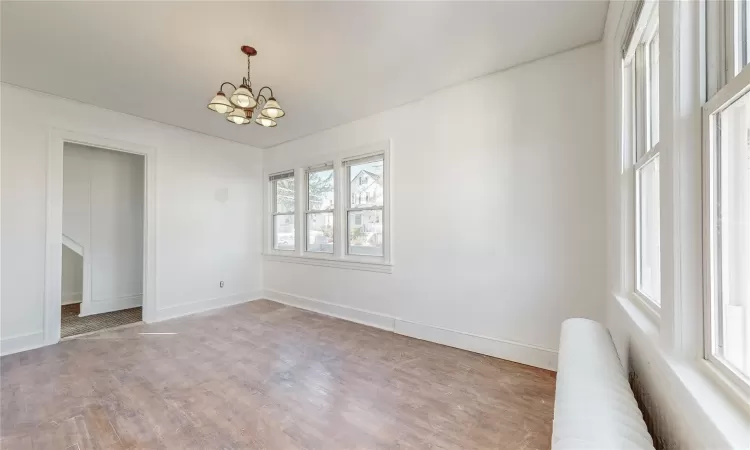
(267, 376)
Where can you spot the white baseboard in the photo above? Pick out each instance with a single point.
(531, 355)
(512, 351)
(368, 318)
(72, 297)
(204, 305)
(15, 344)
(98, 307)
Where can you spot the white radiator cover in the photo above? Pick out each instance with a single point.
(594, 405)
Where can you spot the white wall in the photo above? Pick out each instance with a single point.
(208, 209)
(103, 201)
(498, 210)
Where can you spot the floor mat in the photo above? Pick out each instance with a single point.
(72, 325)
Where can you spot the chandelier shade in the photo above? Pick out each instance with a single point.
(241, 105)
(238, 116)
(221, 104)
(272, 109)
(243, 97)
(265, 121)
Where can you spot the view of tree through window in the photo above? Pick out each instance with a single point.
(283, 219)
(285, 195)
(320, 202)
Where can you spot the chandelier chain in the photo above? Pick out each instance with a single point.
(249, 83)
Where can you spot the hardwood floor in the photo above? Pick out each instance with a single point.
(267, 376)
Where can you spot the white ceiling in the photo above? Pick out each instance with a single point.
(328, 63)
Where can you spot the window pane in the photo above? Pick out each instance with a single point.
(283, 232)
(285, 195)
(366, 184)
(733, 235)
(654, 89)
(366, 233)
(320, 190)
(649, 266)
(320, 232)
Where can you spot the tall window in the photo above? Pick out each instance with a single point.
(364, 214)
(641, 110)
(319, 214)
(727, 206)
(283, 211)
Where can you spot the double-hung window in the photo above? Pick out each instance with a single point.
(282, 186)
(364, 212)
(339, 205)
(319, 217)
(641, 114)
(726, 194)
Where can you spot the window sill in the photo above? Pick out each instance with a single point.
(694, 380)
(337, 263)
(650, 309)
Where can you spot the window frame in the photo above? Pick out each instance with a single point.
(734, 89)
(347, 165)
(339, 258)
(273, 181)
(689, 66)
(638, 150)
(314, 169)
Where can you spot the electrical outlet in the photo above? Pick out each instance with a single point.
(221, 284)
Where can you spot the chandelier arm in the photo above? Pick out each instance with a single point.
(234, 88)
(265, 87)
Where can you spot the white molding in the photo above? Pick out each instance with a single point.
(54, 239)
(173, 312)
(72, 298)
(113, 304)
(361, 316)
(73, 245)
(530, 355)
(21, 343)
(696, 394)
(509, 350)
(330, 262)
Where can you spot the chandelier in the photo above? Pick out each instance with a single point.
(241, 105)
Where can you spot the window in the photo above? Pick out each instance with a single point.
(320, 206)
(726, 129)
(365, 211)
(283, 211)
(641, 111)
(737, 26)
(343, 214)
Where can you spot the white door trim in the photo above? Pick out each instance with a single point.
(53, 253)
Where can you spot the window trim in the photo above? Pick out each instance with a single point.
(735, 88)
(346, 168)
(338, 258)
(637, 151)
(313, 169)
(273, 180)
(675, 335)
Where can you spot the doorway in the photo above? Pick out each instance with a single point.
(102, 239)
(100, 235)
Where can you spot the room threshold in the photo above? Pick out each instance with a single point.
(72, 325)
